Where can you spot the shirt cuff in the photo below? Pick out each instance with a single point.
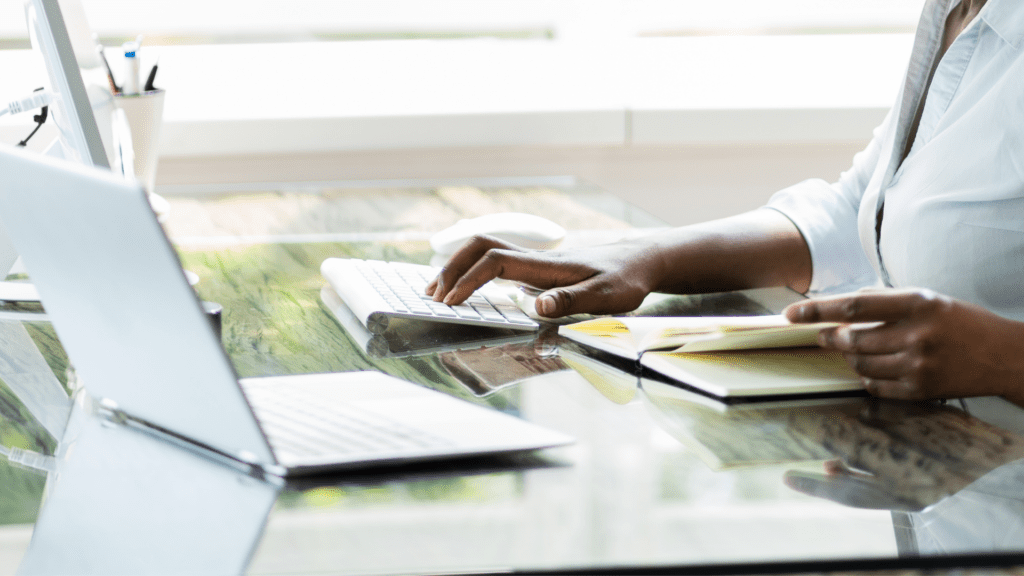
(828, 224)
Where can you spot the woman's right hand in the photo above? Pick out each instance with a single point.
(608, 279)
(755, 249)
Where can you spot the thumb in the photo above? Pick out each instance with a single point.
(557, 302)
(590, 296)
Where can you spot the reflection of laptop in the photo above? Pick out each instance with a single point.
(124, 311)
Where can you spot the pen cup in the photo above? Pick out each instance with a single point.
(145, 113)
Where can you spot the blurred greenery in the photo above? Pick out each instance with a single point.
(497, 487)
(18, 428)
(21, 489)
(21, 492)
(274, 323)
(45, 338)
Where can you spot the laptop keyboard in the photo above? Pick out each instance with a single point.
(398, 291)
(301, 420)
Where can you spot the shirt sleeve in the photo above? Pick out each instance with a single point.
(826, 215)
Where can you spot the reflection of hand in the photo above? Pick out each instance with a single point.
(842, 485)
(928, 345)
(601, 280)
(900, 455)
(545, 345)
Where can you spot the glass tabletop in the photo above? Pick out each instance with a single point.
(659, 476)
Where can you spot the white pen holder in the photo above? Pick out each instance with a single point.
(145, 113)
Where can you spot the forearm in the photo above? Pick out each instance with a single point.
(752, 250)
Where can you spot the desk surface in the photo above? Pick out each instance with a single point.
(656, 478)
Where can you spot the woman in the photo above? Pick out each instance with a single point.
(931, 214)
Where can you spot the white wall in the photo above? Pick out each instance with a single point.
(687, 128)
(680, 184)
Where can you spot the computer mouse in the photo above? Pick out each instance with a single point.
(525, 230)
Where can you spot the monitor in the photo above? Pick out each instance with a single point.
(91, 129)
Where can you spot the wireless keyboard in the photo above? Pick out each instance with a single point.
(378, 291)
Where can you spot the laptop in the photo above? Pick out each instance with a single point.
(137, 335)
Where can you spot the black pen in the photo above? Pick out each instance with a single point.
(152, 76)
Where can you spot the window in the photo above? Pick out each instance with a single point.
(240, 21)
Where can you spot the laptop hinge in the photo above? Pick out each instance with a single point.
(244, 462)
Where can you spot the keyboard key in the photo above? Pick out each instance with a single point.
(491, 314)
(466, 312)
(442, 310)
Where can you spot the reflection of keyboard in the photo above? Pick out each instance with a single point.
(378, 291)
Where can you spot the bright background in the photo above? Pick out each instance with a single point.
(691, 109)
(202, 21)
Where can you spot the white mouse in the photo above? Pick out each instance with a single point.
(524, 230)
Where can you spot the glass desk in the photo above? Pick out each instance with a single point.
(659, 479)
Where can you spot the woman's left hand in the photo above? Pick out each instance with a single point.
(927, 345)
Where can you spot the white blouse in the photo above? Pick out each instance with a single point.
(954, 210)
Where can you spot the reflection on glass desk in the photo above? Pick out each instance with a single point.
(658, 478)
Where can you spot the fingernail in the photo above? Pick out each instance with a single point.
(547, 304)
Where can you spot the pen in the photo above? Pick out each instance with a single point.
(152, 76)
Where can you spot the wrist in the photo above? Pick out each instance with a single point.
(1010, 377)
(649, 264)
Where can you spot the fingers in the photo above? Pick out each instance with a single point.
(886, 357)
(461, 262)
(598, 282)
(881, 366)
(883, 339)
(867, 306)
(485, 258)
(508, 264)
(898, 375)
(899, 389)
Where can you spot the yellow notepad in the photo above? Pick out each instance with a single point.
(725, 356)
(630, 337)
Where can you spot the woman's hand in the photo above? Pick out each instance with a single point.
(928, 345)
(758, 248)
(607, 279)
